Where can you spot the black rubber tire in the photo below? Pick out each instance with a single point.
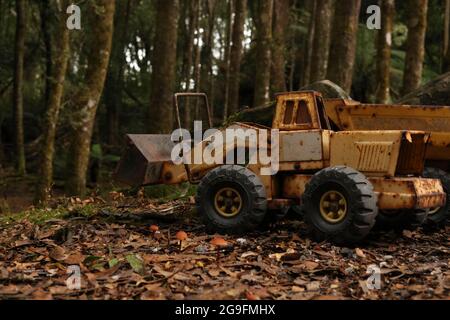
(361, 200)
(441, 217)
(250, 188)
(401, 219)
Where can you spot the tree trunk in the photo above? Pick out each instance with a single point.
(263, 61)
(446, 47)
(228, 36)
(435, 92)
(18, 87)
(114, 79)
(384, 46)
(161, 115)
(87, 100)
(46, 15)
(206, 57)
(236, 55)
(281, 15)
(321, 45)
(197, 54)
(309, 43)
(415, 45)
(188, 56)
(60, 58)
(343, 44)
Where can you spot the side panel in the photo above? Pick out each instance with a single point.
(351, 115)
(374, 153)
(394, 117)
(301, 146)
(393, 194)
(408, 193)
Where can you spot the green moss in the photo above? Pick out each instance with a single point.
(36, 216)
(166, 193)
(43, 215)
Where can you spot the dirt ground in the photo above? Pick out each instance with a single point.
(128, 249)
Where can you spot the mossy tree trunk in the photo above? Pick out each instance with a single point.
(60, 57)
(263, 21)
(86, 102)
(321, 45)
(114, 78)
(206, 60)
(18, 86)
(191, 27)
(281, 14)
(309, 43)
(446, 45)
(384, 50)
(161, 115)
(46, 16)
(415, 45)
(343, 43)
(236, 56)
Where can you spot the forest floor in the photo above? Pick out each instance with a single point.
(120, 257)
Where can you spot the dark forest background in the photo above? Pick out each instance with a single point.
(67, 97)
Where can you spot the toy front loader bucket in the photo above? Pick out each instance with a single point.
(143, 159)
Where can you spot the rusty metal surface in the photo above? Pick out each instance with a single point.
(374, 153)
(143, 159)
(294, 185)
(303, 166)
(429, 191)
(203, 96)
(197, 171)
(393, 193)
(296, 111)
(408, 193)
(301, 146)
(412, 153)
(352, 115)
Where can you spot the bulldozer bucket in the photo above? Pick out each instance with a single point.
(143, 159)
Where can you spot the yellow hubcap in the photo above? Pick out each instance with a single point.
(333, 207)
(228, 202)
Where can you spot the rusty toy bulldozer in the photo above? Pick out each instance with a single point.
(343, 180)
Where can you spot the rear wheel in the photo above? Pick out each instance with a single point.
(401, 219)
(339, 204)
(231, 200)
(439, 216)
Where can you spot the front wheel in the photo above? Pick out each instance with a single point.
(339, 204)
(231, 200)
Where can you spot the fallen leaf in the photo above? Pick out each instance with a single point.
(214, 273)
(360, 253)
(313, 286)
(21, 243)
(250, 296)
(136, 263)
(297, 289)
(331, 298)
(407, 234)
(310, 265)
(75, 258)
(40, 294)
(249, 254)
(113, 262)
(58, 253)
(9, 290)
